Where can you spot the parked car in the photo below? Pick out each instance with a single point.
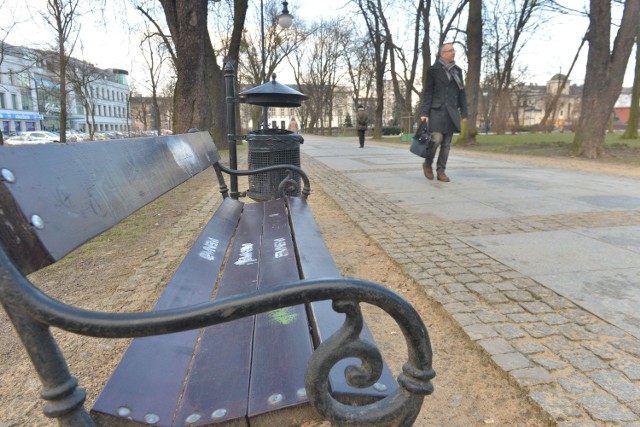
(42, 134)
(22, 140)
(74, 135)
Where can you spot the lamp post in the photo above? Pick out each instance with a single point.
(285, 19)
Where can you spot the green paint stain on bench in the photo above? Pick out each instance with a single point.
(283, 316)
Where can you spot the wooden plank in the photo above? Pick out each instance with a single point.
(80, 190)
(282, 344)
(217, 387)
(149, 378)
(315, 262)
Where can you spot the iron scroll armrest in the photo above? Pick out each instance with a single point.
(37, 311)
(306, 190)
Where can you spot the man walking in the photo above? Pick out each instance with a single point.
(445, 102)
(362, 121)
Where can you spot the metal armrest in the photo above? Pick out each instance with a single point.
(306, 190)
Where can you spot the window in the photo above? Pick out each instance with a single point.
(14, 101)
(26, 100)
(2, 101)
(23, 79)
(29, 126)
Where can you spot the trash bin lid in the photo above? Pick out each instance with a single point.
(274, 94)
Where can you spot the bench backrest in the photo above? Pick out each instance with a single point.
(55, 197)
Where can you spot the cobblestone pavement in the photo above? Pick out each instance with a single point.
(580, 369)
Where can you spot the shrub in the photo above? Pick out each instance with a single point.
(391, 130)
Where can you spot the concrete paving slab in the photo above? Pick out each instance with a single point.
(611, 295)
(554, 252)
(458, 211)
(622, 237)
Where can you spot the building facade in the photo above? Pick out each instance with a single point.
(30, 95)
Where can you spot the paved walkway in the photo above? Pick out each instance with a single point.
(539, 266)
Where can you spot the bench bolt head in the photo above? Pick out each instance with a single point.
(302, 393)
(219, 413)
(151, 418)
(193, 418)
(123, 411)
(8, 176)
(380, 387)
(37, 222)
(276, 398)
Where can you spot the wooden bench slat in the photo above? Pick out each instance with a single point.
(218, 382)
(282, 344)
(316, 262)
(152, 371)
(81, 190)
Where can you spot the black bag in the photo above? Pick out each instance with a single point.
(422, 144)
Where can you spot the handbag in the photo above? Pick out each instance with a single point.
(421, 144)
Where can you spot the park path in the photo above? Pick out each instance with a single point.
(540, 266)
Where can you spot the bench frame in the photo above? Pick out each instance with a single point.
(33, 313)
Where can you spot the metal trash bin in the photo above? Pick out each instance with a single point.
(269, 147)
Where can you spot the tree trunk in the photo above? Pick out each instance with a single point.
(631, 132)
(605, 72)
(426, 55)
(187, 21)
(474, 59)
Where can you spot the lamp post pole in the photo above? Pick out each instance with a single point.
(263, 77)
(285, 19)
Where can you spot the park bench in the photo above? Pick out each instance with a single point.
(256, 326)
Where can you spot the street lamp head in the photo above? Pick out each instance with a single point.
(285, 19)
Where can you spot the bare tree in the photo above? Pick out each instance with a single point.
(605, 72)
(631, 131)
(360, 66)
(200, 98)
(81, 76)
(154, 56)
(474, 59)
(322, 72)
(61, 16)
(403, 64)
(372, 11)
(448, 15)
(510, 25)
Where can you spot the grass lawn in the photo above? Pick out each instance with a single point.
(619, 151)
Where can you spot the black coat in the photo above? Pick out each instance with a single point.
(444, 103)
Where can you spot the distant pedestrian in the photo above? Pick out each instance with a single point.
(445, 102)
(293, 125)
(362, 121)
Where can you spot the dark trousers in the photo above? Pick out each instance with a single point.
(361, 136)
(444, 142)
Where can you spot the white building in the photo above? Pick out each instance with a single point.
(18, 106)
(30, 95)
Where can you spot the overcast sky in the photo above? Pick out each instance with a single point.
(549, 52)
